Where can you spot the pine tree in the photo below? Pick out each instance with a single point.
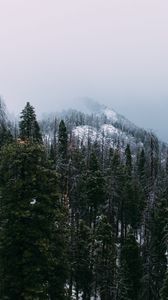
(158, 246)
(130, 270)
(29, 127)
(105, 260)
(62, 159)
(128, 160)
(95, 189)
(115, 192)
(77, 210)
(164, 290)
(150, 280)
(62, 141)
(141, 167)
(82, 262)
(32, 244)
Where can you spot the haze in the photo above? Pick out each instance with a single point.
(53, 53)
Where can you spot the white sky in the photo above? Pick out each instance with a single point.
(115, 51)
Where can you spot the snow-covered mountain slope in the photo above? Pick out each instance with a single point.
(100, 124)
(110, 114)
(108, 127)
(107, 134)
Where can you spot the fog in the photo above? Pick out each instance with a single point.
(54, 53)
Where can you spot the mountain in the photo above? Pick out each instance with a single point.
(101, 124)
(109, 125)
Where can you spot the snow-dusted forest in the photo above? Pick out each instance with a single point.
(83, 208)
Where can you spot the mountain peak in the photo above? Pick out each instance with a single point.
(92, 106)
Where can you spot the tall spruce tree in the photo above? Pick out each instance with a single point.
(141, 168)
(130, 270)
(82, 261)
(62, 159)
(95, 189)
(62, 141)
(164, 290)
(29, 127)
(128, 160)
(33, 220)
(105, 260)
(32, 244)
(115, 193)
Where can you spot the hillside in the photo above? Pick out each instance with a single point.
(84, 199)
(99, 124)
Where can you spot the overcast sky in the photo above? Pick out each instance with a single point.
(54, 52)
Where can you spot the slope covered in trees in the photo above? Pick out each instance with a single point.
(82, 217)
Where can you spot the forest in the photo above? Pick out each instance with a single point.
(81, 218)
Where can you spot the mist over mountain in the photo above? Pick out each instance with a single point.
(83, 150)
(99, 124)
(143, 114)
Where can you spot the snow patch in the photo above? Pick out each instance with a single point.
(85, 132)
(111, 114)
(33, 201)
(109, 129)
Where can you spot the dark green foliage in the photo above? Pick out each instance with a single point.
(158, 242)
(82, 263)
(62, 159)
(164, 290)
(115, 192)
(141, 166)
(105, 260)
(32, 244)
(5, 135)
(95, 192)
(29, 127)
(130, 270)
(134, 198)
(153, 157)
(128, 159)
(159, 238)
(134, 203)
(62, 141)
(65, 222)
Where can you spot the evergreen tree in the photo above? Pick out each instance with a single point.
(130, 270)
(32, 243)
(158, 246)
(97, 192)
(77, 211)
(82, 263)
(115, 192)
(141, 167)
(164, 290)
(95, 189)
(62, 160)
(29, 127)
(131, 195)
(151, 281)
(134, 203)
(62, 141)
(105, 260)
(128, 160)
